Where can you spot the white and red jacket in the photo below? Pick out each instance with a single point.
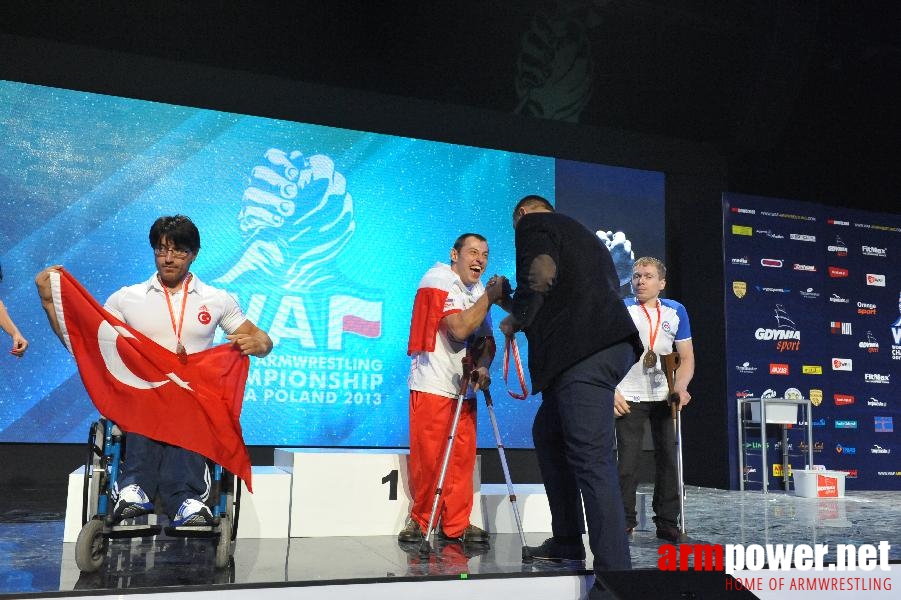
(436, 356)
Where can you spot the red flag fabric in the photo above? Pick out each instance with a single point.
(429, 307)
(145, 389)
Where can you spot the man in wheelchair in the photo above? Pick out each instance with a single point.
(179, 312)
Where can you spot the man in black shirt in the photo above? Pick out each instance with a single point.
(582, 342)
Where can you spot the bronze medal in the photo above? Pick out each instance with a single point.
(650, 360)
(176, 328)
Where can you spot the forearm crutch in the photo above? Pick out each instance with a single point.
(671, 363)
(425, 548)
(526, 557)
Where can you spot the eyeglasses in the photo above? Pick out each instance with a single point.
(176, 252)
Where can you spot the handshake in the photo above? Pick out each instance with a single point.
(499, 291)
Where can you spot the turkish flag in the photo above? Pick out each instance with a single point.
(145, 389)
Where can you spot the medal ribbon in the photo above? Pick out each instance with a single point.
(184, 303)
(652, 333)
(508, 344)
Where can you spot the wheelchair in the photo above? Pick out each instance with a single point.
(106, 449)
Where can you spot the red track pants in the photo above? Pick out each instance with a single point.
(431, 417)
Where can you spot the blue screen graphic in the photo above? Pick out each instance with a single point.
(322, 234)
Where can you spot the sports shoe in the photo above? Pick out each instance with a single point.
(557, 552)
(471, 535)
(668, 532)
(192, 512)
(132, 502)
(411, 532)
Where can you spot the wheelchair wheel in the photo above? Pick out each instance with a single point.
(224, 545)
(90, 547)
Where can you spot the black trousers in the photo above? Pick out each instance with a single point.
(574, 443)
(629, 434)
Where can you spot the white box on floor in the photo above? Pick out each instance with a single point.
(351, 492)
(819, 484)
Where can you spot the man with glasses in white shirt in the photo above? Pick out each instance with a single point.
(178, 311)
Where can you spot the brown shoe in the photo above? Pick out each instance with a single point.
(470, 535)
(475, 535)
(668, 532)
(411, 532)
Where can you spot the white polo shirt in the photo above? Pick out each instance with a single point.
(143, 306)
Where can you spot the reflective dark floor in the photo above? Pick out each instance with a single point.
(33, 559)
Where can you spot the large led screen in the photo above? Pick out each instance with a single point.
(321, 233)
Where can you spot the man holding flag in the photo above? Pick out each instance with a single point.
(146, 361)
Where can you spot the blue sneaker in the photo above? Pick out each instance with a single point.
(132, 502)
(192, 512)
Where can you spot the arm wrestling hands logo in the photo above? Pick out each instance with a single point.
(296, 216)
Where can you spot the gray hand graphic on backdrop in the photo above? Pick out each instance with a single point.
(621, 250)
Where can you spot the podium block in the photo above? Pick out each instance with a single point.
(266, 513)
(497, 511)
(74, 502)
(351, 492)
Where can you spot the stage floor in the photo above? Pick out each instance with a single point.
(34, 561)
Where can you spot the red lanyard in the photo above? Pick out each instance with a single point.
(508, 344)
(179, 348)
(652, 333)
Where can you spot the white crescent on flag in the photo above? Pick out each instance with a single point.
(107, 335)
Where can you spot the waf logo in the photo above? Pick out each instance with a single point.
(786, 334)
(296, 218)
(842, 364)
(837, 272)
(843, 399)
(778, 369)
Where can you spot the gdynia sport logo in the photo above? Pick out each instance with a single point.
(781, 562)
